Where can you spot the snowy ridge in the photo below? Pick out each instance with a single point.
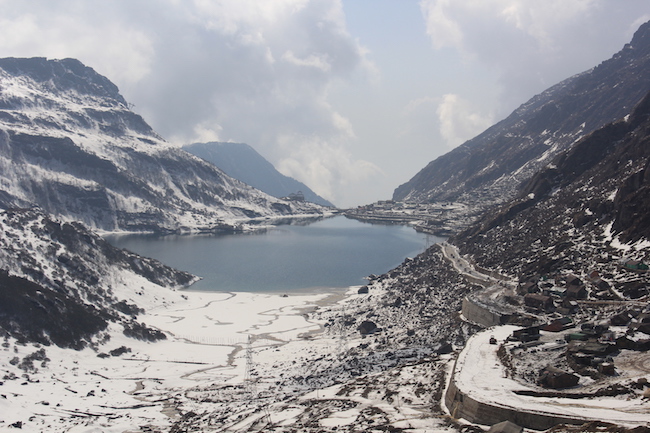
(70, 145)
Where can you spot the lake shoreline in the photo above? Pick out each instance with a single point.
(335, 252)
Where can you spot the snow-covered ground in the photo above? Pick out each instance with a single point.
(480, 374)
(208, 333)
(232, 361)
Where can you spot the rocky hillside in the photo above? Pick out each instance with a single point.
(241, 161)
(62, 284)
(576, 235)
(586, 211)
(490, 167)
(70, 145)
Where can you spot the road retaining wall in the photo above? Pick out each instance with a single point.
(461, 405)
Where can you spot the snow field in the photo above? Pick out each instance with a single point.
(77, 391)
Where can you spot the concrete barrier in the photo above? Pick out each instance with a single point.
(479, 311)
(489, 413)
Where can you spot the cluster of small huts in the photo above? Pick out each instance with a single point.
(561, 293)
(590, 348)
(544, 295)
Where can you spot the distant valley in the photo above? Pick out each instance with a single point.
(242, 162)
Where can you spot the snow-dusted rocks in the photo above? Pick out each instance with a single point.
(62, 284)
(484, 391)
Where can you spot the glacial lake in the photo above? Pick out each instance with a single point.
(330, 253)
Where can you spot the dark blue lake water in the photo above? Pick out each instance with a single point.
(331, 253)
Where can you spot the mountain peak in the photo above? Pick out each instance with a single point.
(244, 163)
(63, 75)
(641, 36)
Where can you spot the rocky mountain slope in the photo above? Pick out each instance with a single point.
(587, 209)
(490, 167)
(577, 223)
(241, 161)
(70, 144)
(575, 220)
(62, 284)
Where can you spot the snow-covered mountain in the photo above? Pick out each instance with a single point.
(244, 163)
(491, 166)
(70, 145)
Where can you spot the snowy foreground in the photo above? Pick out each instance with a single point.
(221, 347)
(79, 391)
(256, 362)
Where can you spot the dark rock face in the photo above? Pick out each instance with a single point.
(61, 290)
(31, 312)
(491, 166)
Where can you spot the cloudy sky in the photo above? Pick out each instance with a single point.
(352, 97)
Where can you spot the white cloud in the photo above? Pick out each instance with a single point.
(204, 133)
(328, 169)
(115, 48)
(317, 61)
(541, 20)
(419, 121)
(459, 120)
(448, 21)
(241, 16)
(443, 30)
(200, 62)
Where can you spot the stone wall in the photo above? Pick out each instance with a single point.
(461, 405)
(479, 314)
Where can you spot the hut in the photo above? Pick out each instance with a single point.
(558, 325)
(607, 368)
(576, 292)
(573, 280)
(528, 287)
(526, 334)
(593, 276)
(552, 377)
(540, 302)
